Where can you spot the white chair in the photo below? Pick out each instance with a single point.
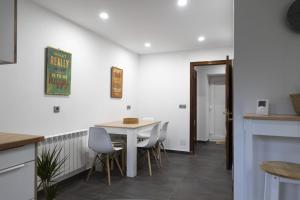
(100, 142)
(146, 133)
(161, 138)
(149, 144)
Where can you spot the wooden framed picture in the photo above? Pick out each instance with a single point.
(58, 72)
(116, 82)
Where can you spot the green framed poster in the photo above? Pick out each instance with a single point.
(58, 72)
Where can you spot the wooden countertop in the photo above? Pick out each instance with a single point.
(119, 124)
(273, 117)
(282, 169)
(12, 140)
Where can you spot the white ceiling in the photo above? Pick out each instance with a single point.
(161, 22)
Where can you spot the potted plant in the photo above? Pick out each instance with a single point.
(48, 169)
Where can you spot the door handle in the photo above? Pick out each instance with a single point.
(12, 169)
(229, 115)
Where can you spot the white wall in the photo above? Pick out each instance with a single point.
(23, 106)
(203, 74)
(164, 83)
(266, 65)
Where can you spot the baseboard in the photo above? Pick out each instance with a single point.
(220, 142)
(178, 152)
(202, 141)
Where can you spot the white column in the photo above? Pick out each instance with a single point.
(131, 152)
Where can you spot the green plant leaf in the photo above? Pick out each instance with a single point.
(49, 164)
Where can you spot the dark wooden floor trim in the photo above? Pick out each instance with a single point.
(178, 152)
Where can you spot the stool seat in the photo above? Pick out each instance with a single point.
(282, 169)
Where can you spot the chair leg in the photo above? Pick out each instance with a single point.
(266, 190)
(159, 154)
(271, 190)
(163, 146)
(118, 165)
(149, 162)
(142, 157)
(112, 164)
(274, 192)
(92, 168)
(108, 169)
(123, 159)
(155, 157)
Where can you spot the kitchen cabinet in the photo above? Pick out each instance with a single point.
(18, 166)
(8, 31)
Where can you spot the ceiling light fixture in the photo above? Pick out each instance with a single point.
(104, 15)
(182, 3)
(147, 44)
(201, 38)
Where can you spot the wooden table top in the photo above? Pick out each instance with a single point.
(12, 140)
(282, 169)
(273, 117)
(120, 124)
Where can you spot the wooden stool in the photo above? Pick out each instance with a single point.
(279, 172)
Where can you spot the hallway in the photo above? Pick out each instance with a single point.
(185, 177)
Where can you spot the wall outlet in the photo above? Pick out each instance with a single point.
(56, 109)
(182, 106)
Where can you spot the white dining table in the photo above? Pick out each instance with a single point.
(131, 131)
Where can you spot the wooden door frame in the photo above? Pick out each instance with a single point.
(193, 96)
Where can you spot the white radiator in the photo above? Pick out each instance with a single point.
(74, 148)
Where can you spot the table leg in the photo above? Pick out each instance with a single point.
(131, 152)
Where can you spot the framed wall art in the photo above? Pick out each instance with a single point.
(58, 72)
(116, 82)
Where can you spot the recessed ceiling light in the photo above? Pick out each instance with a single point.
(201, 38)
(147, 44)
(104, 15)
(182, 3)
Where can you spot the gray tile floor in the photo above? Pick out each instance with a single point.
(184, 177)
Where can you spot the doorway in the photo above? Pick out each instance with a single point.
(215, 86)
(216, 108)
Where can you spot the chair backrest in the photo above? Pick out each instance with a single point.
(163, 132)
(99, 140)
(148, 118)
(153, 136)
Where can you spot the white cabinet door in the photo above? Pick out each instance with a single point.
(7, 31)
(17, 182)
(13, 157)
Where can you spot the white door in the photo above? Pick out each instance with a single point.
(217, 128)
